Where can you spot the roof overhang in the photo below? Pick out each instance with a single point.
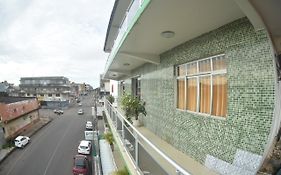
(187, 19)
(270, 12)
(117, 16)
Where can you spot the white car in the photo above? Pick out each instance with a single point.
(89, 125)
(84, 147)
(80, 104)
(21, 141)
(80, 111)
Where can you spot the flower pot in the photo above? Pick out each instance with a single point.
(136, 123)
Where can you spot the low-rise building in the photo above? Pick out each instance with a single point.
(17, 114)
(52, 92)
(104, 85)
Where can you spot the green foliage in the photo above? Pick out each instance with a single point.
(109, 137)
(110, 98)
(8, 144)
(123, 171)
(132, 106)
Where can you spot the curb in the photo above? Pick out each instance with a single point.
(14, 148)
(42, 126)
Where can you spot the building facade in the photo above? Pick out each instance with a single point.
(208, 74)
(104, 86)
(52, 92)
(17, 113)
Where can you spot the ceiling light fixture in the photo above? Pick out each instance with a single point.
(126, 64)
(168, 34)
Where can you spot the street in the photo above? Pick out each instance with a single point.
(51, 149)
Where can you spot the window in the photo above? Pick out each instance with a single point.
(136, 87)
(49, 95)
(57, 95)
(202, 86)
(122, 87)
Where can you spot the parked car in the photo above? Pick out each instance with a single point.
(21, 141)
(80, 104)
(84, 147)
(80, 165)
(80, 111)
(89, 125)
(59, 112)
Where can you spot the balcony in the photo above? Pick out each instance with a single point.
(146, 153)
(137, 32)
(134, 9)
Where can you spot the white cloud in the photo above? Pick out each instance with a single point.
(53, 38)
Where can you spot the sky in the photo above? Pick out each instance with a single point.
(53, 38)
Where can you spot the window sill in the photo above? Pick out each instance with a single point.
(202, 114)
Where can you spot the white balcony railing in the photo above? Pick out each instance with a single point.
(128, 18)
(140, 150)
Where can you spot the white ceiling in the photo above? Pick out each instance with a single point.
(187, 18)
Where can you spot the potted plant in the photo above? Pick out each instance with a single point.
(132, 107)
(109, 138)
(123, 171)
(110, 98)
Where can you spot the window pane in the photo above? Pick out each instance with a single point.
(205, 95)
(219, 63)
(180, 95)
(205, 66)
(191, 94)
(181, 70)
(191, 68)
(219, 95)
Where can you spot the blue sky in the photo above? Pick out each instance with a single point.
(53, 38)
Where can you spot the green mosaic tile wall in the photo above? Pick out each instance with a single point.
(251, 94)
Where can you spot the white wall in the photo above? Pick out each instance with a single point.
(107, 87)
(114, 88)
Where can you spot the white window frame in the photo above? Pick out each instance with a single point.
(197, 75)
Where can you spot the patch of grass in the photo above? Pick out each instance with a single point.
(8, 144)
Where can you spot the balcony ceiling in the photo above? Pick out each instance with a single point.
(187, 18)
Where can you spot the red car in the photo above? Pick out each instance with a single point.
(80, 165)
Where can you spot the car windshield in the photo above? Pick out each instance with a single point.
(83, 147)
(80, 163)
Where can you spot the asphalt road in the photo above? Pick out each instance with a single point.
(51, 149)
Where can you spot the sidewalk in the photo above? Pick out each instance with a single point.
(29, 132)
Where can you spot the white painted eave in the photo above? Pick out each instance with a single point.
(187, 18)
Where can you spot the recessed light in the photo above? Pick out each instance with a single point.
(168, 34)
(114, 75)
(126, 64)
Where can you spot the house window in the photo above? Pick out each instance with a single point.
(57, 95)
(49, 95)
(202, 86)
(136, 87)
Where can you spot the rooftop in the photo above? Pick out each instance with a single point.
(8, 100)
(48, 78)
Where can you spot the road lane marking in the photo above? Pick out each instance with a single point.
(28, 147)
(52, 157)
